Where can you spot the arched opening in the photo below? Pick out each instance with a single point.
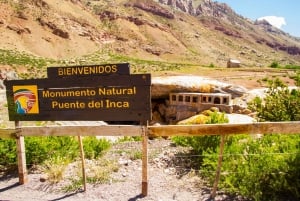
(217, 100)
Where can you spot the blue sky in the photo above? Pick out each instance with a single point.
(285, 14)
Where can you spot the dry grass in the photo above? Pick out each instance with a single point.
(54, 168)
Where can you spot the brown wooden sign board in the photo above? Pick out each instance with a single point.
(88, 70)
(105, 98)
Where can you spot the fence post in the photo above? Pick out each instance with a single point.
(145, 161)
(22, 171)
(82, 162)
(218, 171)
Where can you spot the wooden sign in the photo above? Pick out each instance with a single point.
(105, 98)
(88, 70)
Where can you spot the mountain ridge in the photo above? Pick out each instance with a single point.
(204, 33)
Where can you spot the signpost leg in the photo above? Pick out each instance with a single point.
(218, 172)
(22, 171)
(82, 163)
(145, 162)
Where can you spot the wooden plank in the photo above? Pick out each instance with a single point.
(22, 171)
(219, 167)
(82, 162)
(226, 129)
(164, 130)
(145, 163)
(8, 133)
(109, 130)
(88, 70)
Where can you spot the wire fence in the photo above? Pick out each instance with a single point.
(182, 162)
(187, 130)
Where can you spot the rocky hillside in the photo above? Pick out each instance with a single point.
(200, 32)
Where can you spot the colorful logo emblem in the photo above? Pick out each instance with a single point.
(26, 99)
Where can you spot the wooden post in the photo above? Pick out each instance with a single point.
(22, 171)
(145, 161)
(82, 162)
(218, 171)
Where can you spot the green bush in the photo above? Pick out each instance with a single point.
(292, 67)
(8, 152)
(266, 168)
(200, 144)
(41, 149)
(274, 64)
(259, 167)
(93, 147)
(280, 103)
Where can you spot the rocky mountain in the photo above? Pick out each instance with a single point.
(201, 32)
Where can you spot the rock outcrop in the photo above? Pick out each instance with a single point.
(213, 9)
(7, 74)
(183, 5)
(153, 8)
(162, 86)
(204, 8)
(55, 30)
(264, 24)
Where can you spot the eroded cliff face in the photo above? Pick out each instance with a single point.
(205, 7)
(183, 5)
(214, 14)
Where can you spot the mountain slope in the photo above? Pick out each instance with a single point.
(203, 32)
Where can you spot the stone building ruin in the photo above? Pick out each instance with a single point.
(183, 105)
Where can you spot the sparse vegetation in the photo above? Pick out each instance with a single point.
(265, 168)
(275, 64)
(99, 173)
(94, 147)
(36, 67)
(280, 104)
(258, 167)
(40, 149)
(12, 58)
(54, 168)
(297, 67)
(129, 138)
(136, 155)
(75, 185)
(101, 170)
(203, 143)
(8, 154)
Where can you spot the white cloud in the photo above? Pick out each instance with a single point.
(274, 20)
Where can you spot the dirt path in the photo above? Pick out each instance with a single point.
(166, 182)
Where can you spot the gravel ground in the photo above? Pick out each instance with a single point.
(165, 182)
